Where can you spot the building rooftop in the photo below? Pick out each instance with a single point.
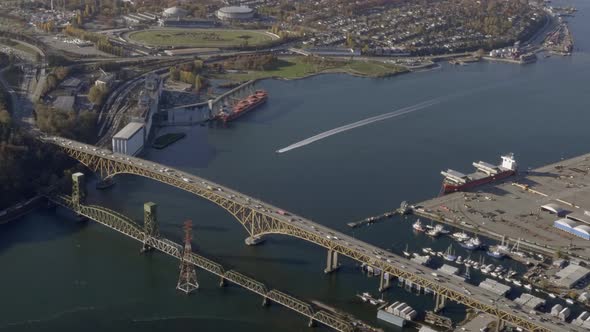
(236, 10)
(65, 103)
(570, 275)
(129, 130)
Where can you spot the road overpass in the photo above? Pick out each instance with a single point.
(260, 218)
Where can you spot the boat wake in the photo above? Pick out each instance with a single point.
(402, 111)
(325, 134)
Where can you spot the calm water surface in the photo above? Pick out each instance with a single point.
(60, 275)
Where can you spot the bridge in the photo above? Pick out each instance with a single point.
(259, 219)
(149, 235)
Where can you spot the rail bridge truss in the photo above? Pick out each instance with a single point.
(145, 234)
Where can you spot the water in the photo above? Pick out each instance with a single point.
(60, 275)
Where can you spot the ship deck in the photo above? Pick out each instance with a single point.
(508, 208)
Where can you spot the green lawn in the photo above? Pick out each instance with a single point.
(200, 37)
(296, 67)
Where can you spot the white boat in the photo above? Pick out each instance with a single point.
(449, 254)
(529, 287)
(440, 254)
(460, 236)
(441, 229)
(551, 295)
(517, 283)
(417, 226)
(569, 301)
(406, 252)
(494, 274)
(433, 232)
(459, 260)
(427, 250)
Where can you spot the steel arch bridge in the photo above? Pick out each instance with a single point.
(259, 220)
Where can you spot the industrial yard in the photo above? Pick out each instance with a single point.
(525, 207)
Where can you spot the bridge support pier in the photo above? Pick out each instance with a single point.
(499, 325)
(222, 282)
(311, 323)
(384, 282)
(265, 301)
(78, 189)
(254, 240)
(150, 224)
(332, 261)
(439, 302)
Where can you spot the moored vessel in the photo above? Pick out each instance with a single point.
(485, 173)
(242, 107)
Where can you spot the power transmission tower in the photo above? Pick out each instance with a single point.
(187, 281)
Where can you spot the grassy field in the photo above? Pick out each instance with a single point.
(200, 37)
(295, 67)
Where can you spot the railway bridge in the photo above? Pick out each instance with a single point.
(259, 219)
(150, 237)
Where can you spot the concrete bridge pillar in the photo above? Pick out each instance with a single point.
(311, 323)
(265, 301)
(332, 261)
(150, 224)
(222, 282)
(384, 281)
(440, 301)
(78, 189)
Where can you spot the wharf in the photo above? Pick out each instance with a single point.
(374, 219)
(518, 207)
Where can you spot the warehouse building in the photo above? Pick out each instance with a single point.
(130, 139)
(571, 275)
(571, 227)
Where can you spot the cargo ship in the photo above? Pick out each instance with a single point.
(486, 173)
(243, 106)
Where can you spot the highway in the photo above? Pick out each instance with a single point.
(290, 224)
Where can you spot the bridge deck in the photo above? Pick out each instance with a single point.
(261, 218)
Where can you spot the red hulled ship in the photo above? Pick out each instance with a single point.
(243, 106)
(457, 181)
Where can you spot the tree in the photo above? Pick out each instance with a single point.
(96, 94)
